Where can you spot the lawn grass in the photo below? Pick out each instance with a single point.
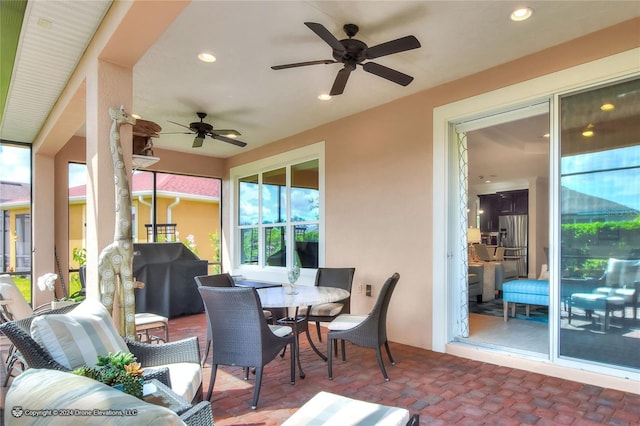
(23, 282)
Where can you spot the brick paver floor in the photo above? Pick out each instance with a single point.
(443, 389)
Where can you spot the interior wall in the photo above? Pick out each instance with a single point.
(378, 180)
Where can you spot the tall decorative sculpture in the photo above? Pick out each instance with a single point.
(115, 263)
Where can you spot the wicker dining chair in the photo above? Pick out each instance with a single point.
(326, 312)
(369, 331)
(220, 280)
(241, 337)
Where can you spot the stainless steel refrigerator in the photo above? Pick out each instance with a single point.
(514, 237)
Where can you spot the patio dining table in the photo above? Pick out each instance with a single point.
(279, 297)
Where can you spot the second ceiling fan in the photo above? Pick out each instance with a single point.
(352, 52)
(202, 130)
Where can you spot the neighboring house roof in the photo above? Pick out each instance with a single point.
(578, 203)
(176, 185)
(14, 192)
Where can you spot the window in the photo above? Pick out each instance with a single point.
(279, 212)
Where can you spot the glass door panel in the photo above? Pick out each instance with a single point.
(600, 225)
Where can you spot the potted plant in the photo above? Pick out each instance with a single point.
(48, 282)
(120, 370)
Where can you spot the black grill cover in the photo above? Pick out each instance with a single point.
(167, 271)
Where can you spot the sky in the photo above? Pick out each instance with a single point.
(16, 167)
(15, 164)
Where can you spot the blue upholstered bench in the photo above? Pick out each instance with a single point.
(528, 292)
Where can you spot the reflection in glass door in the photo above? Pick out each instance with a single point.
(600, 225)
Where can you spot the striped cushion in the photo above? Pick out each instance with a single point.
(326, 309)
(346, 321)
(37, 389)
(327, 409)
(323, 310)
(78, 337)
(281, 330)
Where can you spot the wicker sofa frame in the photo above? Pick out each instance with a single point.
(32, 355)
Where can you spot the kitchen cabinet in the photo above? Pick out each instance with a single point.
(489, 204)
(501, 204)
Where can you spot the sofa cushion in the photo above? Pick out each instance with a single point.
(37, 389)
(77, 338)
(185, 378)
(330, 409)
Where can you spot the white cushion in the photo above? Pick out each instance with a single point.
(185, 378)
(328, 409)
(281, 330)
(37, 389)
(346, 321)
(77, 338)
(17, 306)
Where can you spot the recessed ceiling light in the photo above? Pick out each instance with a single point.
(521, 14)
(324, 97)
(206, 57)
(546, 135)
(588, 131)
(136, 116)
(607, 107)
(232, 135)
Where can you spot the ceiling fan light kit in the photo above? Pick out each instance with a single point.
(352, 52)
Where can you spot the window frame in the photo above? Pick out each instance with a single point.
(285, 160)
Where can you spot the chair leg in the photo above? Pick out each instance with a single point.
(318, 331)
(381, 364)
(330, 356)
(386, 346)
(344, 351)
(256, 388)
(293, 365)
(206, 353)
(214, 370)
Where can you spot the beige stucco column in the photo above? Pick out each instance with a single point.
(108, 85)
(43, 233)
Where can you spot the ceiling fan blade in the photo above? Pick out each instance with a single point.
(176, 133)
(198, 141)
(325, 35)
(181, 125)
(340, 81)
(303, 64)
(393, 46)
(226, 132)
(228, 140)
(388, 73)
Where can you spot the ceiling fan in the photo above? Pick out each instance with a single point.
(352, 52)
(202, 130)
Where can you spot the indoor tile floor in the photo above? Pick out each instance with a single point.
(443, 389)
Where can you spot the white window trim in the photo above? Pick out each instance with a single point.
(299, 155)
(593, 73)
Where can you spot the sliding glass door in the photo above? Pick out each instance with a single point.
(600, 224)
